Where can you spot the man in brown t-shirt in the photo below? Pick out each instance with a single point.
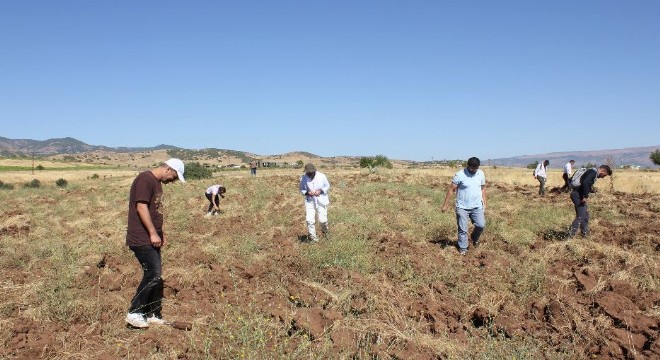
(145, 237)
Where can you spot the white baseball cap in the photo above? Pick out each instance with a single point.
(177, 165)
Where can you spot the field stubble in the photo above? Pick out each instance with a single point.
(387, 284)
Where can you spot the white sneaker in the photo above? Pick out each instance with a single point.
(152, 320)
(208, 214)
(136, 320)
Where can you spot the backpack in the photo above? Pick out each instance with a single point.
(576, 179)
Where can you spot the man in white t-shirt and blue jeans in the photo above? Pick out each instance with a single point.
(469, 186)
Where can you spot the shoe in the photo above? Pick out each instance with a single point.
(137, 320)
(208, 214)
(153, 320)
(462, 251)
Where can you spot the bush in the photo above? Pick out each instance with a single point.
(39, 167)
(196, 171)
(655, 157)
(378, 161)
(5, 186)
(533, 165)
(32, 184)
(95, 176)
(61, 183)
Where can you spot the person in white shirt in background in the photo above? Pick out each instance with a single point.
(568, 169)
(213, 194)
(541, 175)
(314, 186)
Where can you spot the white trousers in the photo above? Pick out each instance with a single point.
(311, 208)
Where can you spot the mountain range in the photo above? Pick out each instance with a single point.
(637, 156)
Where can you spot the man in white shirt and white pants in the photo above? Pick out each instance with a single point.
(314, 186)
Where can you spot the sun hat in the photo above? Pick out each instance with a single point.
(177, 165)
(310, 168)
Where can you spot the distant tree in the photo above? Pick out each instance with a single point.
(655, 157)
(196, 171)
(533, 165)
(39, 167)
(589, 166)
(377, 161)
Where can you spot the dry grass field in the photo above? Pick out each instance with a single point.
(387, 284)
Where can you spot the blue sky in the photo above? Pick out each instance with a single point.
(407, 79)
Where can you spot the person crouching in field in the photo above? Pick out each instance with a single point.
(314, 186)
(213, 194)
(541, 175)
(469, 186)
(582, 183)
(145, 237)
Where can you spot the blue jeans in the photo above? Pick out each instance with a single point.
(581, 215)
(477, 218)
(149, 294)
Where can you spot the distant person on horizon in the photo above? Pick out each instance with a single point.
(253, 168)
(582, 184)
(213, 194)
(145, 237)
(469, 186)
(314, 186)
(541, 175)
(568, 169)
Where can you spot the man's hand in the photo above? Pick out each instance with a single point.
(155, 240)
(444, 208)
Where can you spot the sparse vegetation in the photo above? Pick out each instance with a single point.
(61, 182)
(5, 186)
(95, 176)
(387, 284)
(35, 183)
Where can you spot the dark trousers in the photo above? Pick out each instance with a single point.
(565, 177)
(149, 295)
(209, 197)
(581, 215)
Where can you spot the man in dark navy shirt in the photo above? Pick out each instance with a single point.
(582, 186)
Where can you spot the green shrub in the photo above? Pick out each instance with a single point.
(5, 186)
(533, 165)
(39, 167)
(95, 176)
(655, 156)
(378, 161)
(32, 184)
(195, 170)
(61, 183)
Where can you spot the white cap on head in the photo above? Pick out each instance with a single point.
(177, 165)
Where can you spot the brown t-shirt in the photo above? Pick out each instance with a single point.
(147, 189)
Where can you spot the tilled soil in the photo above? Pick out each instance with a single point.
(585, 310)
